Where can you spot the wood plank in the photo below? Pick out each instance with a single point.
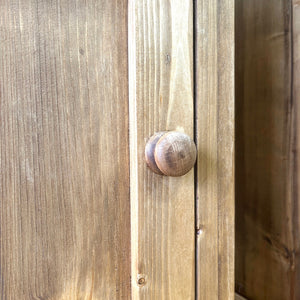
(64, 158)
(267, 209)
(214, 52)
(161, 98)
(295, 159)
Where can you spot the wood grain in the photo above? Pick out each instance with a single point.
(150, 152)
(295, 146)
(170, 153)
(64, 159)
(267, 122)
(161, 98)
(214, 50)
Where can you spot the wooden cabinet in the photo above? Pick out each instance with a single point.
(83, 86)
(267, 149)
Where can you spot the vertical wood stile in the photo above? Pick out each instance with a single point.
(161, 98)
(214, 83)
(295, 285)
(267, 123)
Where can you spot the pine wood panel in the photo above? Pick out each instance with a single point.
(267, 204)
(214, 52)
(64, 158)
(161, 98)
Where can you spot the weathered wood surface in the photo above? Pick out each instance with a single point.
(267, 143)
(161, 98)
(215, 139)
(64, 158)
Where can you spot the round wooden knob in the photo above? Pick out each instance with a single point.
(170, 153)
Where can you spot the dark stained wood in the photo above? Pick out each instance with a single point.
(214, 50)
(267, 149)
(64, 159)
(170, 153)
(295, 159)
(150, 150)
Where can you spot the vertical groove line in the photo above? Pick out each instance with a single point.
(195, 139)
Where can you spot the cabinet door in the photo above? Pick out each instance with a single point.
(65, 227)
(83, 86)
(161, 98)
